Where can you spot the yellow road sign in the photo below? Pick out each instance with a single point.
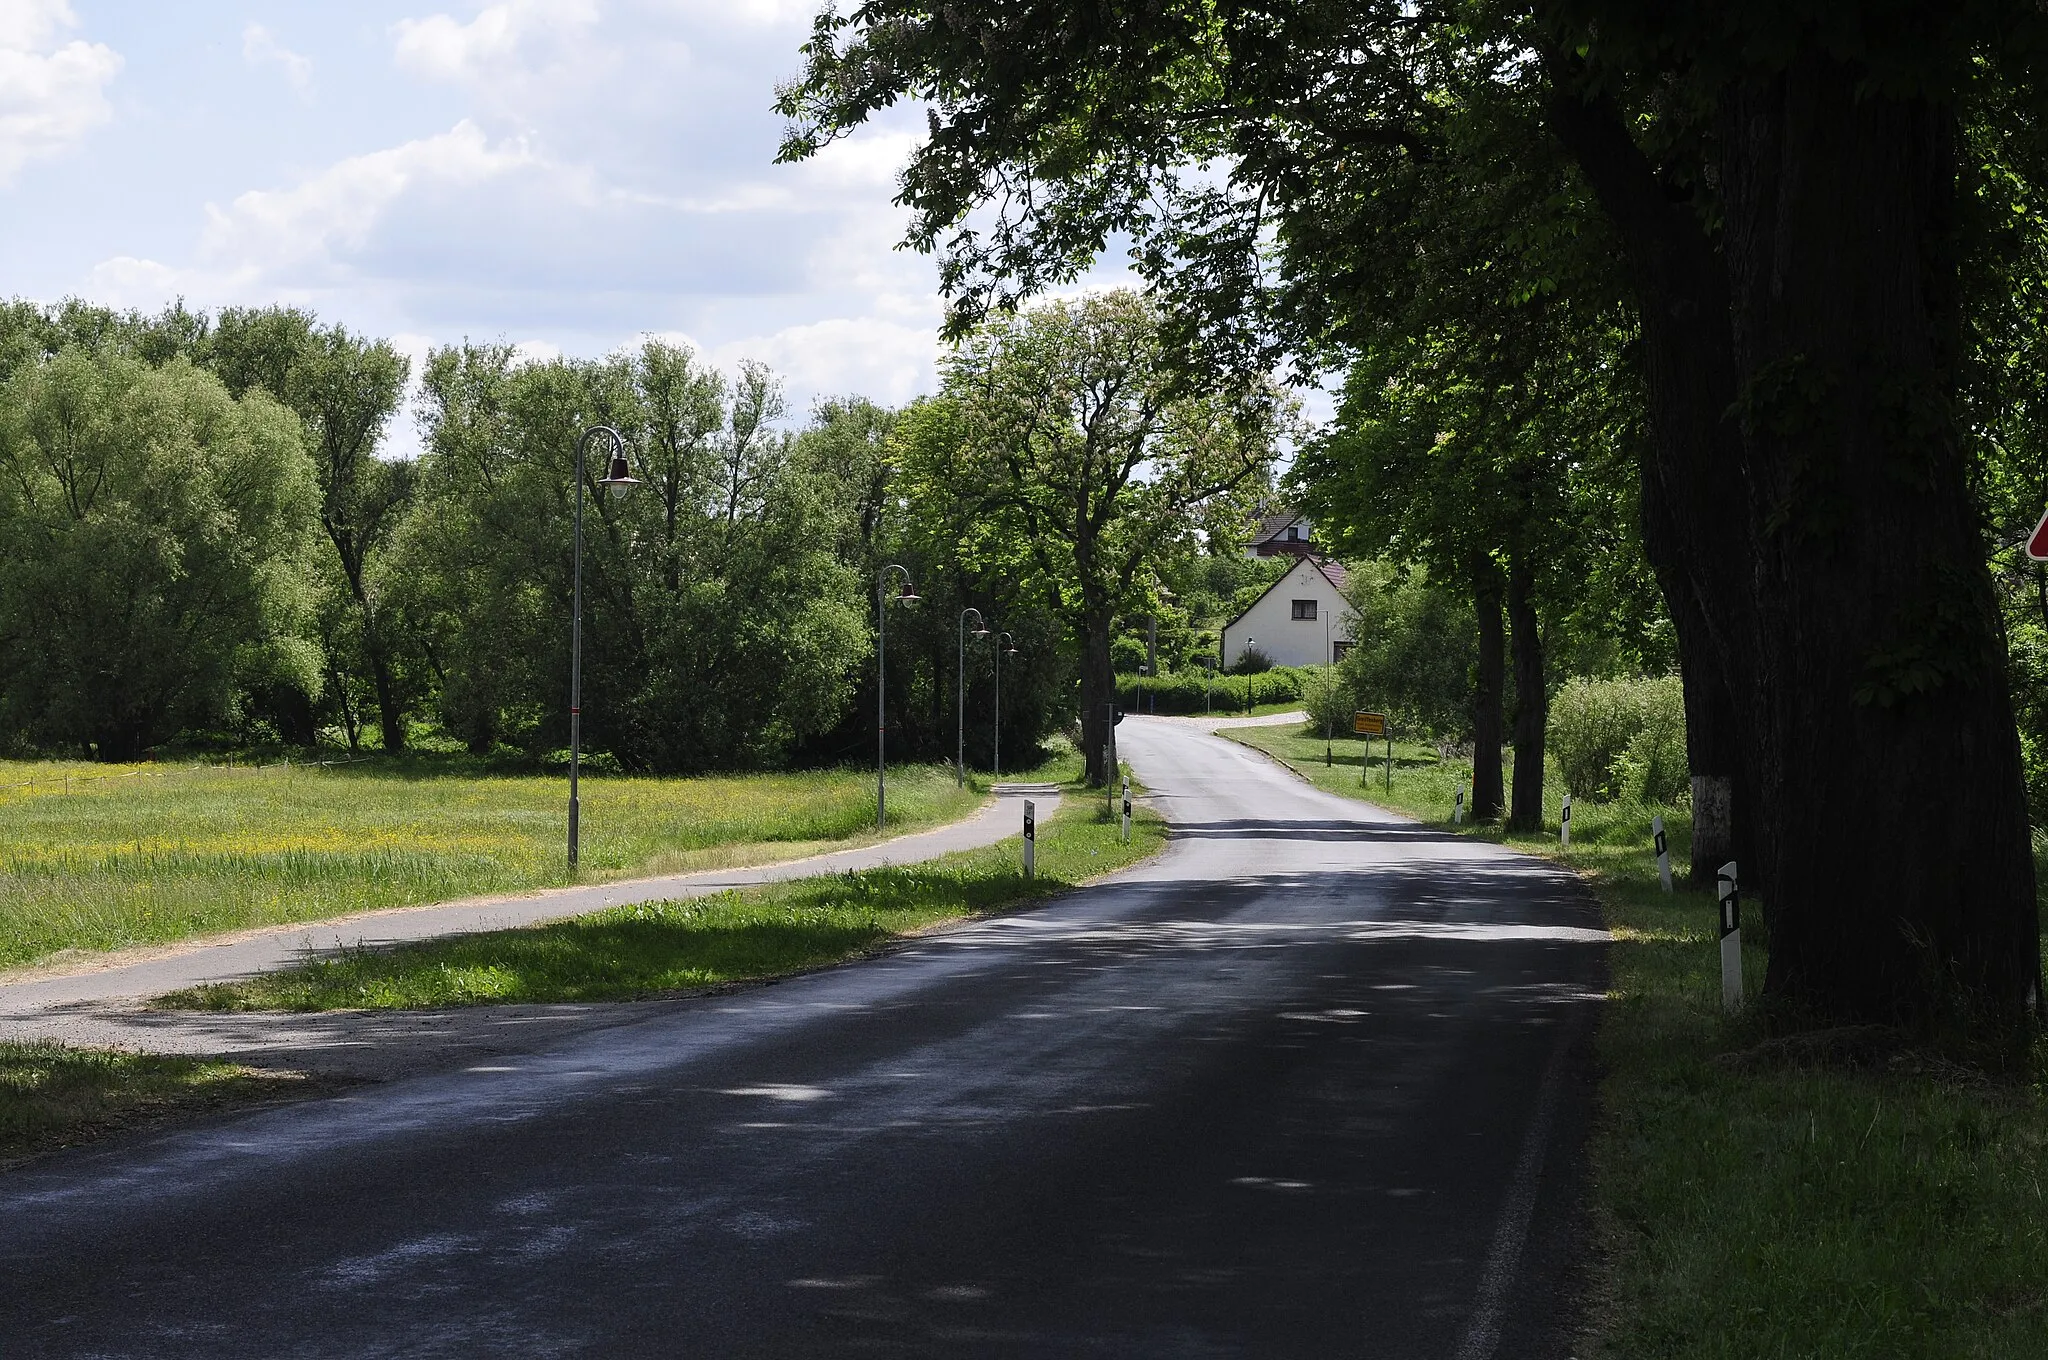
(1369, 724)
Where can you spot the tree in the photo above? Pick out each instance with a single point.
(155, 551)
(721, 626)
(1781, 181)
(345, 388)
(1062, 439)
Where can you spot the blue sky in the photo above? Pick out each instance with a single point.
(563, 174)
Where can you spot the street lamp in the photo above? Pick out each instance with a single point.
(960, 692)
(619, 481)
(908, 595)
(1005, 646)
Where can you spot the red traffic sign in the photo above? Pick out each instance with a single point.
(2037, 546)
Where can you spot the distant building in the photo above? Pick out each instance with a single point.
(1303, 618)
(1282, 534)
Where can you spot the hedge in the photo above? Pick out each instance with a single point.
(1185, 693)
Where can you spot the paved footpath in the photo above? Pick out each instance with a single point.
(1312, 1083)
(99, 1005)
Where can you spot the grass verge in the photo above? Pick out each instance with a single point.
(52, 1096)
(651, 948)
(1841, 1197)
(164, 854)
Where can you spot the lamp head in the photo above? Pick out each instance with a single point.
(618, 479)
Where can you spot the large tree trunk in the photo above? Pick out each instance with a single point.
(1532, 699)
(1098, 693)
(1487, 787)
(1888, 730)
(1801, 400)
(1712, 749)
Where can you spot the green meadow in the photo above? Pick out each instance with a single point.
(649, 948)
(97, 858)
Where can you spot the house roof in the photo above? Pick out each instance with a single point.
(1272, 526)
(1333, 572)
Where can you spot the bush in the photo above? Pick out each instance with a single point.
(1252, 661)
(1616, 739)
(1416, 653)
(1184, 693)
(1331, 697)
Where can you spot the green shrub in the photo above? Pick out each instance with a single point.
(1252, 661)
(1184, 693)
(1616, 739)
(1331, 697)
(1416, 654)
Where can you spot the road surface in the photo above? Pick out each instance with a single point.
(1312, 1084)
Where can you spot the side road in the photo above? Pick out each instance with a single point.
(97, 1006)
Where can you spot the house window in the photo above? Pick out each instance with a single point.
(1340, 650)
(1304, 609)
(1293, 533)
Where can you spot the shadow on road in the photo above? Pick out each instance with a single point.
(1265, 829)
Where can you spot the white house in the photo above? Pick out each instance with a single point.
(1301, 620)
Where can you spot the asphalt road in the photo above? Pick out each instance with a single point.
(1313, 1083)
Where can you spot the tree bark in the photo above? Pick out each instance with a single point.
(1888, 728)
(1098, 692)
(1712, 750)
(1802, 388)
(390, 713)
(1532, 698)
(1487, 785)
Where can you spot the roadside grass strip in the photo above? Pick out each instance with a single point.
(1840, 1195)
(652, 948)
(116, 862)
(52, 1096)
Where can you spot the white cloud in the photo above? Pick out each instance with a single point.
(260, 47)
(739, 13)
(877, 358)
(50, 96)
(127, 281)
(333, 212)
(508, 54)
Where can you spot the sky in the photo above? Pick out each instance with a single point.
(565, 175)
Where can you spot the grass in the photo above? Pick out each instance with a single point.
(52, 1096)
(1759, 1198)
(93, 858)
(652, 948)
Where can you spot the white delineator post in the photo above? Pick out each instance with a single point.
(1731, 939)
(1663, 851)
(1030, 840)
(1458, 807)
(1127, 809)
(1564, 823)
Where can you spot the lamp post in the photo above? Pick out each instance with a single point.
(1005, 646)
(619, 481)
(960, 694)
(908, 595)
